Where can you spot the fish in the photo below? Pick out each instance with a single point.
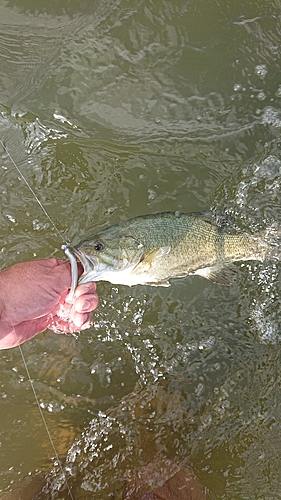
(152, 249)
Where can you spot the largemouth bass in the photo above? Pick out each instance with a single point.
(152, 249)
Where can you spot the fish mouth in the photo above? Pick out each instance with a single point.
(88, 262)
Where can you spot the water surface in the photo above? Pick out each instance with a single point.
(114, 109)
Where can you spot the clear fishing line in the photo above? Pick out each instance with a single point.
(45, 423)
(22, 355)
(65, 246)
(31, 190)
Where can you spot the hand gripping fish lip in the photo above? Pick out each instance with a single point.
(89, 264)
(86, 261)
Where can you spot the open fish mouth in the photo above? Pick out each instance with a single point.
(87, 262)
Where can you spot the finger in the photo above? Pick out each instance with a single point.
(86, 303)
(80, 319)
(74, 322)
(85, 288)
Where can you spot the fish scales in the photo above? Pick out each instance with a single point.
(152, 249)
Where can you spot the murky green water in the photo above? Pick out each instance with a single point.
(114, 109)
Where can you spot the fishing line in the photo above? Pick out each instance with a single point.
(23, 358)
(32, 191)
(74, 268)
(45, 423)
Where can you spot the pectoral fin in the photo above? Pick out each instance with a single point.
(157, 255)
(153, 258)
(217, 274)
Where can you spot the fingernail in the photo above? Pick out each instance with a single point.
(86, 305)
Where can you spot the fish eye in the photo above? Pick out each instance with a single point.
(99, 246)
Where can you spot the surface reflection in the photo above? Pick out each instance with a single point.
(112, 111)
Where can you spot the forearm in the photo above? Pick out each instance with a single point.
(12, 336)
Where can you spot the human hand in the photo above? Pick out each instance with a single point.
(33, 297)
